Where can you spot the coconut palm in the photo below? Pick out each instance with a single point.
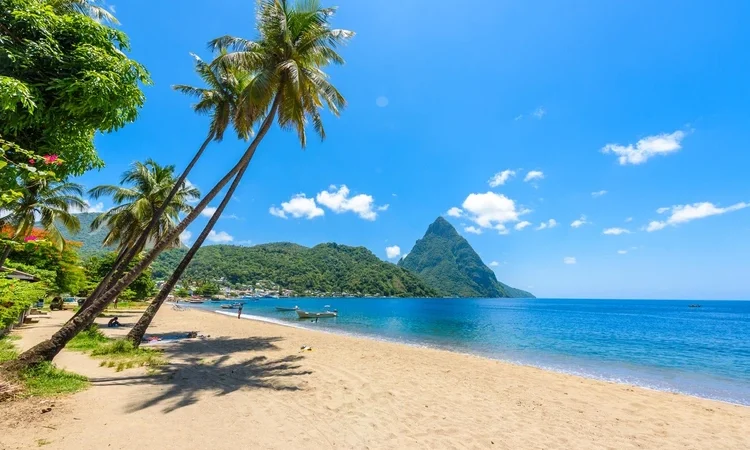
(285, 76)
(286, 66)
(142, 191)
(53, 204)
(217, 100)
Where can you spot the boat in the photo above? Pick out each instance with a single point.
(232, 306)
(694, 306)
(316, 315)
(195, 301)
(281, 308)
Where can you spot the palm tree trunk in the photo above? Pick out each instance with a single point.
(5, 254)
(139, 330)
(47, 350)
(124, 258)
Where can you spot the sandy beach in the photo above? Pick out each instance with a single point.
(250, 386)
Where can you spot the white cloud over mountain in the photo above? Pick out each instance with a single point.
(298, 206)
(501, 178)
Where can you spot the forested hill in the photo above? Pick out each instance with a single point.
(323, 268)
(91, 240)
(446, 261)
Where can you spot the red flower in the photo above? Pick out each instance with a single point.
(30, 238)
(31, 161)
(49, 159)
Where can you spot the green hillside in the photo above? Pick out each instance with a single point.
(323, 268)
(447, 262)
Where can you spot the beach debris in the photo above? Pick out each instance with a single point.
(305, 348)
(192, 334)
(46, 410)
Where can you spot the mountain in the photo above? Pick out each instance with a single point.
(445, 260)
(323, 268)
(91, 240)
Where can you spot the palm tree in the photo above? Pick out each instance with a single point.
(295, 43)
(217, 100)
(52, 204)
(284, 77)
(142, 191)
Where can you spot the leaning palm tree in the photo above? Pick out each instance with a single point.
(218, 100)
(142, 191)
(288, 82)
(53, 204)
(285, 77)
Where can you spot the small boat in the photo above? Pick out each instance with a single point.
(281, 308)
(232, 306)
(694, 306)
(196, 301)
(316, 315)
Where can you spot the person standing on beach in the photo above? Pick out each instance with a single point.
(239, 312)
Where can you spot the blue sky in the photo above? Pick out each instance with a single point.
(644, 100)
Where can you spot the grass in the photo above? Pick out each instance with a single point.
(43, 380)
(118, 354)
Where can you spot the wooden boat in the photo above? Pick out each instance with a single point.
(281, 308)
(232, 306)
(195, 301)
(316, 315)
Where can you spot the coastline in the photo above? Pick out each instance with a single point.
(251, 385)
(488, 357)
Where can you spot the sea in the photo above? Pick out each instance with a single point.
(658, 344)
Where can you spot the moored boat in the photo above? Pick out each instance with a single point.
(196, 301)
(316, 315)
(281, 308)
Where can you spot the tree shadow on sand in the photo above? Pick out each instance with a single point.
(205, 366)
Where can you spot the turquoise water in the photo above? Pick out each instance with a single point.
(660, 344)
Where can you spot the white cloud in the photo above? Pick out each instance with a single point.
(185, 237)
(622, 252)
(221, 237)
(208, 211)
(539, 112)
(569, 260)
(598, 194)
(455, 212)
(491, 210)
(686, 213)
(646, 148)
(393, 252)
(95, 208)
(500, 178)
(494, 264)
(615, 231)
(383, 207)
(298, 206)
(473, 230)
(521, 225)
(629, 219)
(552, 223)
(339, 202)
(534, 175)
(579, 222)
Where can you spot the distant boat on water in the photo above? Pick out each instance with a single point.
(232, 306)
(281, 308)
(196, 301)
(694, 306)
(316, 315)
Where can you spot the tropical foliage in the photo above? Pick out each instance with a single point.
(97, 266)
(446, 261)
(143, 190)
(63, 76)
(323, 268)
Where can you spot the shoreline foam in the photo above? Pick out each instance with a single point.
(571, 372)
